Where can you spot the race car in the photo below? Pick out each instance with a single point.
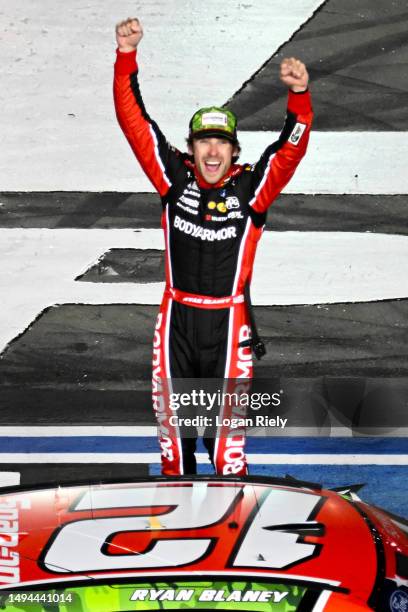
(202, 543)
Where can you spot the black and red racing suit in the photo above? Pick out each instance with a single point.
(211, 234)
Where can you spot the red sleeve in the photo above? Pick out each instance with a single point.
(280, 160)
(153, 152)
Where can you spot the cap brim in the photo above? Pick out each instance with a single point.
(214, 133)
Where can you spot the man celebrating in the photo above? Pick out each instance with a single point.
(214, 211)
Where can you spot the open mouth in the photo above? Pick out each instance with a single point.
(212, 166)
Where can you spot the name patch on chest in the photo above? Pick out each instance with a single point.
(187, 227)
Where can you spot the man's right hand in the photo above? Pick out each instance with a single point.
(129, 33)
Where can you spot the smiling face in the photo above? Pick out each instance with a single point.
(213, 157)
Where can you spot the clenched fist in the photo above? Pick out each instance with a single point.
(294, 74)
(129, 33)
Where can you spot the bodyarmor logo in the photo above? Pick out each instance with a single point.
(160, 394)
(204, 234)
(234, 455)
(244, 363)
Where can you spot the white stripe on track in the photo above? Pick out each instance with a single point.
(343, 162)
(9, 479)
(335, 162)
(258, 459)
(69, 431)
(57, 152)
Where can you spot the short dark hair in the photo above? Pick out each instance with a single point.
(236, 145)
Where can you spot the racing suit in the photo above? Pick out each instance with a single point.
(211, 233)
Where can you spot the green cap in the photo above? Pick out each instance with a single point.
(214, 121)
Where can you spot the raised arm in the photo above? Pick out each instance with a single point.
(280, 160)
(158, 159)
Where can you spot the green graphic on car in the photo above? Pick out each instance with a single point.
(177, 595)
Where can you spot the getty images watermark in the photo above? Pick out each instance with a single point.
(239, 404)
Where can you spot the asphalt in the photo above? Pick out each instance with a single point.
(87, 364)
(126, 265)
(109, 346)
(356, 53)
(297, 212)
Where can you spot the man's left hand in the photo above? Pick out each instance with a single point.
(294, 74)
